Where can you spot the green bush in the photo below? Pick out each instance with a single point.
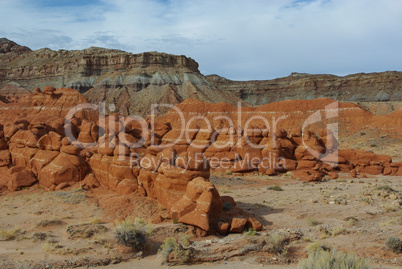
(394, 244)
(312, 221)
(319, 258)
(276, 244)
(181, 255)
(184, 239)
(275, 188)
(385, 188)
(133, 234)
(72, 197)
(249, 232)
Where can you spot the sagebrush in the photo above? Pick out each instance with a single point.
(320, 258)
(133, 233)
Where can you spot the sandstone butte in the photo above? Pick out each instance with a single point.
(127, 155)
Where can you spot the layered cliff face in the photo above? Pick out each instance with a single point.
(373, 87)
(128, 83)
(8, 46)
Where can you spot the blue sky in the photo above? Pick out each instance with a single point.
(241, 40)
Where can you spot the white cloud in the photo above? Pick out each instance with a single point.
(236, 39)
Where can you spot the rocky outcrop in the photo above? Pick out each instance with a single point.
(247, 139)
(372, 87)
(8, 46)
(127, 83)
(12, 92)
(169, 158)
(3, 99)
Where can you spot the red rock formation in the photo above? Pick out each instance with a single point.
(171, 162)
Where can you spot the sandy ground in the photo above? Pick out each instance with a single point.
(347, 214)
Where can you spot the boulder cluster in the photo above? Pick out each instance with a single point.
(42, 141)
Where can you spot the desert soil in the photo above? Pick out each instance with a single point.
(350, 214)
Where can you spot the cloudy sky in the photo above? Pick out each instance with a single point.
(237, 39)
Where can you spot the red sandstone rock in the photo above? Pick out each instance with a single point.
(150, 162)
(307, 175)
(270, 172)
(237, 225)
(243, 166)
(127, 186)
(353, 173)
(181, 173)
(223, 227)
(146, 180)
(64, 168)
(61, 186)
(304, 164)
(38, 147)
(90, 182)
(372, 169)
(168, 155)
(200, 206)
(254, 223)
(333, 175)
(5, 158)
(20, 177)
(192, 161)
(287, 164)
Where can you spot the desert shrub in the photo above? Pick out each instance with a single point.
(224, 190)
(319, 258)
(39, 236)
(391, 208)
(312, 221)
(249, 232)
(71, 197)
(314, 247)
(276, 244)
(181, 255)
(394, 244)
(367, 200)
(287, 175)
(85, 230)
(338, 230)
(7, 235)
(184, 239)
(96, 221)
(133, 234)
(47, 222)
(325, 233)
(385, 188)
(275, 188)
(352, 221)
(228, 172)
